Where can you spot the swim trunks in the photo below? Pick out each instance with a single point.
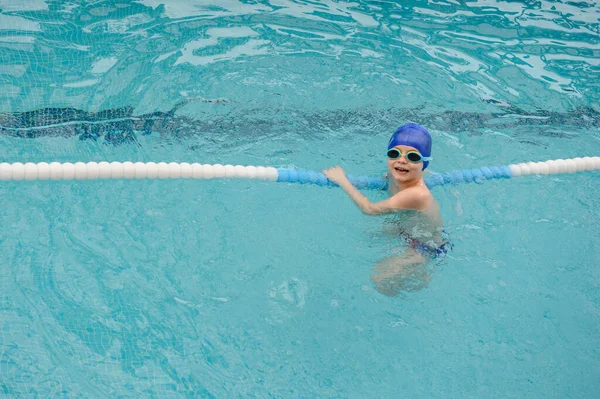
(428, 251)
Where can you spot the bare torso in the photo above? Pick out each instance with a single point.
(424, 225)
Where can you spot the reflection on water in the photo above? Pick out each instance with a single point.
(151, 54)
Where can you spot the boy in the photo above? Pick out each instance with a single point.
(419, 220)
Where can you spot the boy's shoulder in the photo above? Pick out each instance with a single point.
(417, 197)
(421, 193)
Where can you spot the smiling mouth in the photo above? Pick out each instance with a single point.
(401, 169)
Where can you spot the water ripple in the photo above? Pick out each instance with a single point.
(148, 52)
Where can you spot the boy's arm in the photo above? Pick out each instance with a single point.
(411, 198)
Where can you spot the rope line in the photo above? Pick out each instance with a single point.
(162, 170)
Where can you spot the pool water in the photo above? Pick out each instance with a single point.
(237, 288)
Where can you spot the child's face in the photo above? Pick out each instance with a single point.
(401, 169)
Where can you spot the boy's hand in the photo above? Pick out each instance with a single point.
(335, 174)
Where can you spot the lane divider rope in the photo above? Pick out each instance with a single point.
(162, 170)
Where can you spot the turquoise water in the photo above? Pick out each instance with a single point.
(259, 289)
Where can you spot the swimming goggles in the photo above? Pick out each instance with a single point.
(412, 156)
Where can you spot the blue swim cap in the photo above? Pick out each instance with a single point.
(413, 135)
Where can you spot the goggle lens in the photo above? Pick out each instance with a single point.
(414, 157)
